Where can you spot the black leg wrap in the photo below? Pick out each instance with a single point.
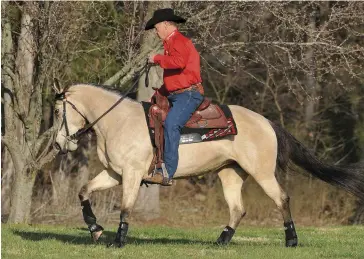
(120, 239)
(226, 236)
(88, 215)
(291, 236)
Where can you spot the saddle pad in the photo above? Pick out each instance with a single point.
(206, 134)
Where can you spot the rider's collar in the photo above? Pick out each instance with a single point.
(170, 35)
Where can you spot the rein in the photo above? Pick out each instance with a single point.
(80, 132)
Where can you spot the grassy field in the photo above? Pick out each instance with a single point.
(40, 241)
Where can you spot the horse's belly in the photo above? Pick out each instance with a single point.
(197, 159)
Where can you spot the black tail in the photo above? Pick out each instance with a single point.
(350, 178)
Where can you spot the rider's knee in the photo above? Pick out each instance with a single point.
(170, 126)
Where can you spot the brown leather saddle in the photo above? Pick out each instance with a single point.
(207, 115)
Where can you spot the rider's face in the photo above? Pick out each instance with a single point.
(161, 30)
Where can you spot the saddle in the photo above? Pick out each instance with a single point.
(207, 115)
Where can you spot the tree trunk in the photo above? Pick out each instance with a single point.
(147, 206)
(20, 135)
(6, 181)
(7, 59)
(21, 196)
(311, 83)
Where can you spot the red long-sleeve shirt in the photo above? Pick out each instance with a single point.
(181, 63)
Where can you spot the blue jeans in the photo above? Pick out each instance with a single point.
(183, 105)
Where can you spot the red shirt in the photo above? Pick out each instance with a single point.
(181, 63)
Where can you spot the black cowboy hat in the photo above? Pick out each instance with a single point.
(162, 15)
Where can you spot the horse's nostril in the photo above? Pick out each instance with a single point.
(57, 146)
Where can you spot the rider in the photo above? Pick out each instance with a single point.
(182, 84)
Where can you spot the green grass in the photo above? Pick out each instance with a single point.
(39, 241)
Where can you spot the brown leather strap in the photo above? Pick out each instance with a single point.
(158, 137)
(159, 140)
(152, 165)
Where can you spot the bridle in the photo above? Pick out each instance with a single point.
(62, 97)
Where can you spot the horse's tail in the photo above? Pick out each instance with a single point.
(350, 178)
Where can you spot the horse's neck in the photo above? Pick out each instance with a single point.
(96, 101)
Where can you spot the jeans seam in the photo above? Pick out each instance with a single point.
(184, 108)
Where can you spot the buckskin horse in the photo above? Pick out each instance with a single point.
(124, 148)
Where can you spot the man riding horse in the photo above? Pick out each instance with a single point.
(182, 86)
(260, 150)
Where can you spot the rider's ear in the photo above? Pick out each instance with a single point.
(56, 86)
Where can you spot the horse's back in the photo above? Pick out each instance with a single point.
(251, 120)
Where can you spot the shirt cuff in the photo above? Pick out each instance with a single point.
(157, 58)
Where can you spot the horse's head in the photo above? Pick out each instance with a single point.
(67, 119)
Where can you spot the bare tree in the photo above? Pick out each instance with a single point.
(31, 57)
(22, 112)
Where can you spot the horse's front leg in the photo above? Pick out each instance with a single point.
(131, 185)
(104, 180)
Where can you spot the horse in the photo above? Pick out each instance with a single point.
(259, 150)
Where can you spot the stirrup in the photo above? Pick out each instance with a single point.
(164, 171)
(160, 170)
(159, 176)
(166, 180)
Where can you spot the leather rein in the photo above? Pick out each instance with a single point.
(87, 127)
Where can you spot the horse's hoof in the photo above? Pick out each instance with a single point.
(226, 236)
(221, 242)
(96, 231)
(291, 242)
(115, 244)
(96, 235)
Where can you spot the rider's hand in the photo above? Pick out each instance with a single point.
(151, 58)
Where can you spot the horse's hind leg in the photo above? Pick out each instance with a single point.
(104, 180)
(271, 187)
(232, 179)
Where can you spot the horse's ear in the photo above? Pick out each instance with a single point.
(57, 86)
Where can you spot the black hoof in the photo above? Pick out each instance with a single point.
(221, 242)
(291, 242)
(116, 245)
(225, 236)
